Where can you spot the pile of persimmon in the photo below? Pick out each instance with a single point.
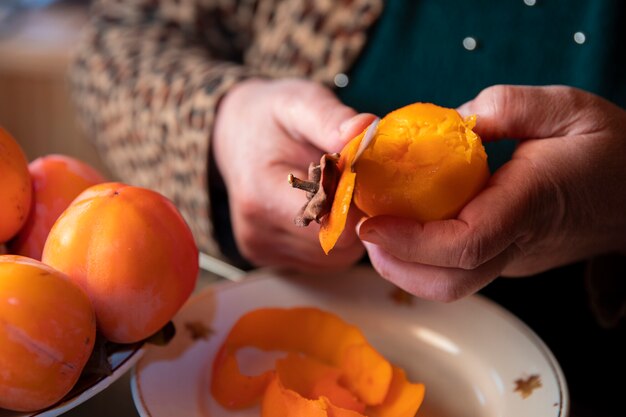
(421, 161)
(79, 256)
(330, 369)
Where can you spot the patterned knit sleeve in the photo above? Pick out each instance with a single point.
(146, 80)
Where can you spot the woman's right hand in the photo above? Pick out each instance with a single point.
(266, 129)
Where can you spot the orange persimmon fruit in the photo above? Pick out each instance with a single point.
(57, 180)
(15, 187)
(47, 333)
(133, 253)
(425, 162)
(422, 162)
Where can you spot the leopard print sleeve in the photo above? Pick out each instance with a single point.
(147, 78)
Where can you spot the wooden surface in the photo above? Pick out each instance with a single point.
(35, 105)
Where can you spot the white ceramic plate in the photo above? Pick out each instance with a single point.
(120, 361)
(472, 354)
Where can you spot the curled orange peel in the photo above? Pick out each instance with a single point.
(334, 223)
(330, 370)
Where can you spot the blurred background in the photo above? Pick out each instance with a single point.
(37, 38)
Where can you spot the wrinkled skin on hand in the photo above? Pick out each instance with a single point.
(559, 200)
(266, 129)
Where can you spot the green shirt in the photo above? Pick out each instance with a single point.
(416, 52)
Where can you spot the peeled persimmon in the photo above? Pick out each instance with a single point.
(131, 251)
(421, 161)
(47, 333)
(57, 180)
(15, 187)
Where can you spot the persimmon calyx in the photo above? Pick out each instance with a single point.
(320, 188)
(324, 179)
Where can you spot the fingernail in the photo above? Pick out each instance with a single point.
(345, 125)
(367, 233)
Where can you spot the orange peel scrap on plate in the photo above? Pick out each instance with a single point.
(330, 369)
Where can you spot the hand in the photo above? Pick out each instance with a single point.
(560, 199)
(264, 131)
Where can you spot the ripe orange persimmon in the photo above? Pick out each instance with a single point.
(47, 333)
(15, 187)
(421, 161)
(424, 162)
(57, 180)
(131, 251)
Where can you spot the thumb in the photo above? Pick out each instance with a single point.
(524, 112)
(310, 112)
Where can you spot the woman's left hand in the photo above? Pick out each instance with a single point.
(561, 198)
